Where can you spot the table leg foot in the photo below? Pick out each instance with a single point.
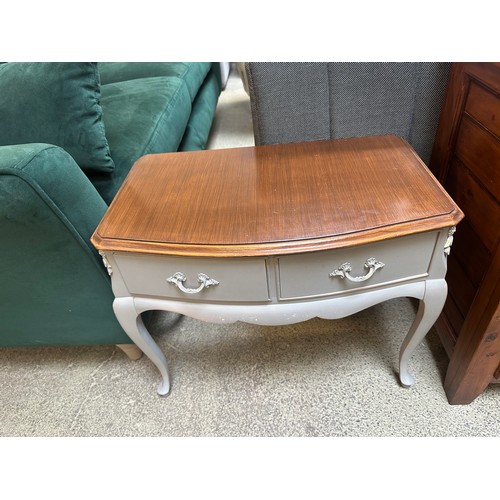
(406, 379)
(163, 388)
(429, 309)
(132, 323)
(131, 350)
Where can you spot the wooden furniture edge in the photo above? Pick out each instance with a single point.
(462, 352)
(477, 355)
(276, 248)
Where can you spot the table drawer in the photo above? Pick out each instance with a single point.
(225, 280)
(397, 259)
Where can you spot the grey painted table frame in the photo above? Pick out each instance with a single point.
(416, 267)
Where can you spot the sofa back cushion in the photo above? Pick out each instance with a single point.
(192, 74)
(55, 103)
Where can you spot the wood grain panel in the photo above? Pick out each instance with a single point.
(470, 252)
(484, 361)
(283, 198)
(479, 150)
(484, 106)
(455, 317)
(479, 207)
(459, 286)
(477, 353)
(468, 127)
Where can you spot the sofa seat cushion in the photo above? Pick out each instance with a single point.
(192, 73)
(55, 103)
(142, 116)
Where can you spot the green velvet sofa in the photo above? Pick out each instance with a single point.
(69, 134)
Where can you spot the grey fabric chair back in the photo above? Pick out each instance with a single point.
(294, 102)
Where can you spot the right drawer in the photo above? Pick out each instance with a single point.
(309, 275)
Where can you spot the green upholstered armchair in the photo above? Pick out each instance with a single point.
(67, 142)
(54, 287)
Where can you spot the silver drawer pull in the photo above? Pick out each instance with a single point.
(343, 271)
(178, 279)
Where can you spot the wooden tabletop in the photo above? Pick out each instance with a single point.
(268, 200)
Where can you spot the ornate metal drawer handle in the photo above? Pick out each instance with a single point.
(178, 279)
(343, 271)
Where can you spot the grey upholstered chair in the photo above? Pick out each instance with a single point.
(294, 102)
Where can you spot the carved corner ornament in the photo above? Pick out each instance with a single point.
(107, 265)
(449, 241)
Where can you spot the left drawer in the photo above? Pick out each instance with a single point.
(231, 280)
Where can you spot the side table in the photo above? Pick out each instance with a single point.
(279, 234)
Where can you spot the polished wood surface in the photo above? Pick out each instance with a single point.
(276, 199)
(466, 159)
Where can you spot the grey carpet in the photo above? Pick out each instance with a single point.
(318, 378)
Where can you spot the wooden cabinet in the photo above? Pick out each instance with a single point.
(466, 160)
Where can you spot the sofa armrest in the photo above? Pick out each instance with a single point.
(53, 175)
(55, 289)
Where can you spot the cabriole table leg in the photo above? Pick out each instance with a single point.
(429, 309)
(131, 322)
